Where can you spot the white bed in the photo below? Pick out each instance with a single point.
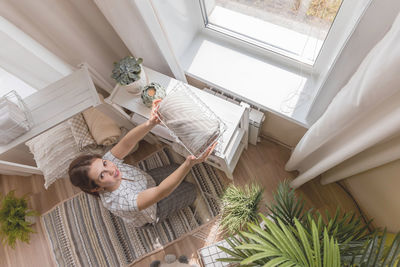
(55, 104)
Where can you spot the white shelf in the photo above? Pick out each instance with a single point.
(56, 103)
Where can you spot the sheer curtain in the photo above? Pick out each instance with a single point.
(364, 114)
(74, 31)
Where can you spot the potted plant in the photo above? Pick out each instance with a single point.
(240, 206)
(128, 72)
(14, 219)
(299, 237)
(152, 92)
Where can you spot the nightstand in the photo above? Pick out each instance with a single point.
(236, 118)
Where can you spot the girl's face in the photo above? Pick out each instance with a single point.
(104, 173)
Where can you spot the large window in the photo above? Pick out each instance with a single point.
(292, 28)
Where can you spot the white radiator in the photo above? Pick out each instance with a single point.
(256, 116)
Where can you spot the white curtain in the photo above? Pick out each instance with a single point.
(365, 113)
(75, 31)
(375, 156)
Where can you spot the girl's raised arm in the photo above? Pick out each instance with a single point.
(125, 145)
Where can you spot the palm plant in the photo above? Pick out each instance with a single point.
(376, 253)
(281, 244)
(287, 205)
(293, 236)
(239, 206)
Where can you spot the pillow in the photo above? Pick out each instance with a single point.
(53, 151)
(192, 123)
(81, 133)
(103, 129)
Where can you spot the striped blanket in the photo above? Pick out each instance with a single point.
(83, 233)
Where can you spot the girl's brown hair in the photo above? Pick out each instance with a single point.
(78, 173)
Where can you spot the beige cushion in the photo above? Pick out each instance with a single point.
(103, 129)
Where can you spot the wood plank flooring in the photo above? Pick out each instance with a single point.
(263, 164)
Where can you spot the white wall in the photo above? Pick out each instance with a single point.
(282, 130)
(372, 27)
(377, 193)
(180, 28)
(128, 23)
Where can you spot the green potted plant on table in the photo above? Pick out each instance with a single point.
(128, 72)
(298, 237)
(14, 219)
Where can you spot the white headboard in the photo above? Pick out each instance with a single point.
(57, 103)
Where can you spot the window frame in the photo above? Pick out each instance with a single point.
(187, 55)
(254, 42)
(341, 29)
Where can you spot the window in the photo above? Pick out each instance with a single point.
(279, 73)
(293, 28)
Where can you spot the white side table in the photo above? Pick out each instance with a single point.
(236, 118)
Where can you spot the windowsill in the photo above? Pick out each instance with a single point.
(282, 40)
(278, 89)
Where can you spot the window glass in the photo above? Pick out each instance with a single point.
(293, 28)
(9, 82)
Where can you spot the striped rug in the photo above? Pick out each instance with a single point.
(83, 233)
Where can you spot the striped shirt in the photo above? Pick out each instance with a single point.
(122, 202)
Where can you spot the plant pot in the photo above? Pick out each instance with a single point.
(152, 92)
(30, 219)
(136, 87)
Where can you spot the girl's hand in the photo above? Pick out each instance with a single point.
(154, 120)
(192, 160)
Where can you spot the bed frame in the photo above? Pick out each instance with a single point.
(56, 103)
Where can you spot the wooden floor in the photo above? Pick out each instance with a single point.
(263, 163)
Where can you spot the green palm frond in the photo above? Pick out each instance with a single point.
(375, 252)
(346, 228)
(287, 205)
(239, 206)
(278, 244)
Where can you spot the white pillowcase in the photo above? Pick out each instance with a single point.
(53, 151)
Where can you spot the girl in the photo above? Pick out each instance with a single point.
(138, 197)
